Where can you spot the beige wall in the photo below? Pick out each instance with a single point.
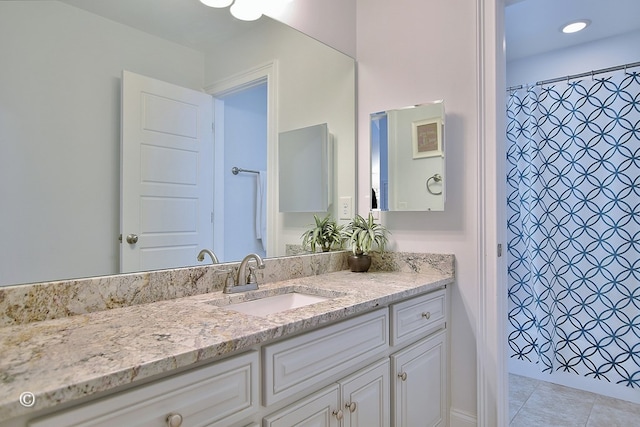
(315, 85)
(410, 52)
(414, 51)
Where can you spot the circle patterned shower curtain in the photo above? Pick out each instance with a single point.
(573, 214)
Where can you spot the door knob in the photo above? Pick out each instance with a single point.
(132, 238)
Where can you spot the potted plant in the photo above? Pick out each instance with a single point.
(361, 234)
(326, 233)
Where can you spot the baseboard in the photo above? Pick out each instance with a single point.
(459, 418)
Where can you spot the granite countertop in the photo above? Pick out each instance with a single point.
(65, 359)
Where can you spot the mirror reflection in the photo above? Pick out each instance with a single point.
(60, 124)
(408, 158)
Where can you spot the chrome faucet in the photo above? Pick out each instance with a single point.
(250, 279)
(244, 281)
(213, 256)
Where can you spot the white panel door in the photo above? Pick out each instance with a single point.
(166, 174)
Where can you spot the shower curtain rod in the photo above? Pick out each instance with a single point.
(576, 76)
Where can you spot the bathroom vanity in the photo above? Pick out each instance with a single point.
(372, 350)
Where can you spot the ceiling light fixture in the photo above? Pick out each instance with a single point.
(575, 26)
(216, 3)
(245, 10)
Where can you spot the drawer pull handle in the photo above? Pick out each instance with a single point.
(351, 406)
(427, 315)
(402, 376)
(338, 414)
(174, 420)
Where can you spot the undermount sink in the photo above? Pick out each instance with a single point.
(260, 303)
(275, 304)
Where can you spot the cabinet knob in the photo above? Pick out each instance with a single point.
(338, 414)
(402, 376)
(174, 420)
(426, 315)
(351, 406)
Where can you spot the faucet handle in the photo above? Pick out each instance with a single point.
(251, 277)
(232, 274)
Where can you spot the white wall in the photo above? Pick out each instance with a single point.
(316, 84)
(60, 134)
(330, 21)
(410, 52)
(610, 52)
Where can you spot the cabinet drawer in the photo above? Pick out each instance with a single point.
(417, 316)
(215, 395)
(292, 365)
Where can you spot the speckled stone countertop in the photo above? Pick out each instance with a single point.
(64, 359)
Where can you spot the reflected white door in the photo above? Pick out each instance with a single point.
(166, 195)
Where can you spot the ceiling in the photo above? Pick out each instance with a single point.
(533, 26)
(186, 22)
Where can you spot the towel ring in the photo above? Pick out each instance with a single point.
(436, 178)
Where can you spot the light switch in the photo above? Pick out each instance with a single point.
(346, 211)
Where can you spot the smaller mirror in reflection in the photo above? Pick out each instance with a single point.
(407, 158)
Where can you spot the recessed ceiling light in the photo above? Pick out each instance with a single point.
(575, 26)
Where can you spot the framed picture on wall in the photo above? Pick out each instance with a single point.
(427, 138)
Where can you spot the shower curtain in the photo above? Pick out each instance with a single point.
(573, 213)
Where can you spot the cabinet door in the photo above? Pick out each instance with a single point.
(321, 409)
(365, 397)
(419, 392)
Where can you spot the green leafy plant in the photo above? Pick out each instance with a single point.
(326, 234)
(361, 234)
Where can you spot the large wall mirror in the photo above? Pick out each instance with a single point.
(60, 123)
(408, 158)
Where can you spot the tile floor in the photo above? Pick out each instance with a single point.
(534, 403)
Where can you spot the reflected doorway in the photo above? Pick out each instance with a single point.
(241, 142)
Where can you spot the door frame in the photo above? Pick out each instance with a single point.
(491, 334)
(267, 72)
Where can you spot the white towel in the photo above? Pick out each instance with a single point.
(261, 208)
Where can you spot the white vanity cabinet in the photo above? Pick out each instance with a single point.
(419, 391)
(386, 367)
(295, 365)
(407, 387)
(321, 409)
(419, 370)
(365, 397)
(360, 400)
(216, 395)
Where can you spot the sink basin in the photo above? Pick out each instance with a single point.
(264, 302)
(275, 304)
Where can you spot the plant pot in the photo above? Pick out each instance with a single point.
(359, 263)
